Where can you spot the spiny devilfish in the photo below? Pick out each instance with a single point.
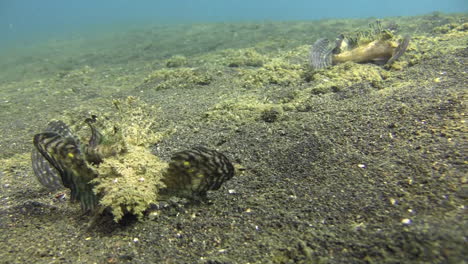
(60, 159)
(376, 46)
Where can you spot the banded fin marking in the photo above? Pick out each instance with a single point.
(48, 174)
(64, 154)
(193, 172)
(321, 54)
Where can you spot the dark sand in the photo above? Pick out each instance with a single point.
(354, 164)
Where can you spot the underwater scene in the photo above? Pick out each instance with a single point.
(223, 132)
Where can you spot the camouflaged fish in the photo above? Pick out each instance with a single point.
(60, 159)
(191, 173)
(381, 50)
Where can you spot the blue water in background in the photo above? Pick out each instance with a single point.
(28, 20)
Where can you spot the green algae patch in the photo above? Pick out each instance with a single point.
(424, 47)
(276, 72)
(182, 77)
(347, 74)
(176, 61)
(244, 57)
(451, 28)
(245, 108)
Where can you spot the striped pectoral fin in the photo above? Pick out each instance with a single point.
(47, 175)
(47, 144)
(198, 170)
(46, 167)
(60, 152)
(321, 54)
(65, 156)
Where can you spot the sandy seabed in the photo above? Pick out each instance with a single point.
(351, 164)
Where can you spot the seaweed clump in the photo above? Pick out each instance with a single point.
(176, 61)
(346, 75)
(275, 72)
(181, 77)
(244, 57)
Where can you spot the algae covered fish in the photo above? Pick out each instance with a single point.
(376, 46)
(61, 159)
